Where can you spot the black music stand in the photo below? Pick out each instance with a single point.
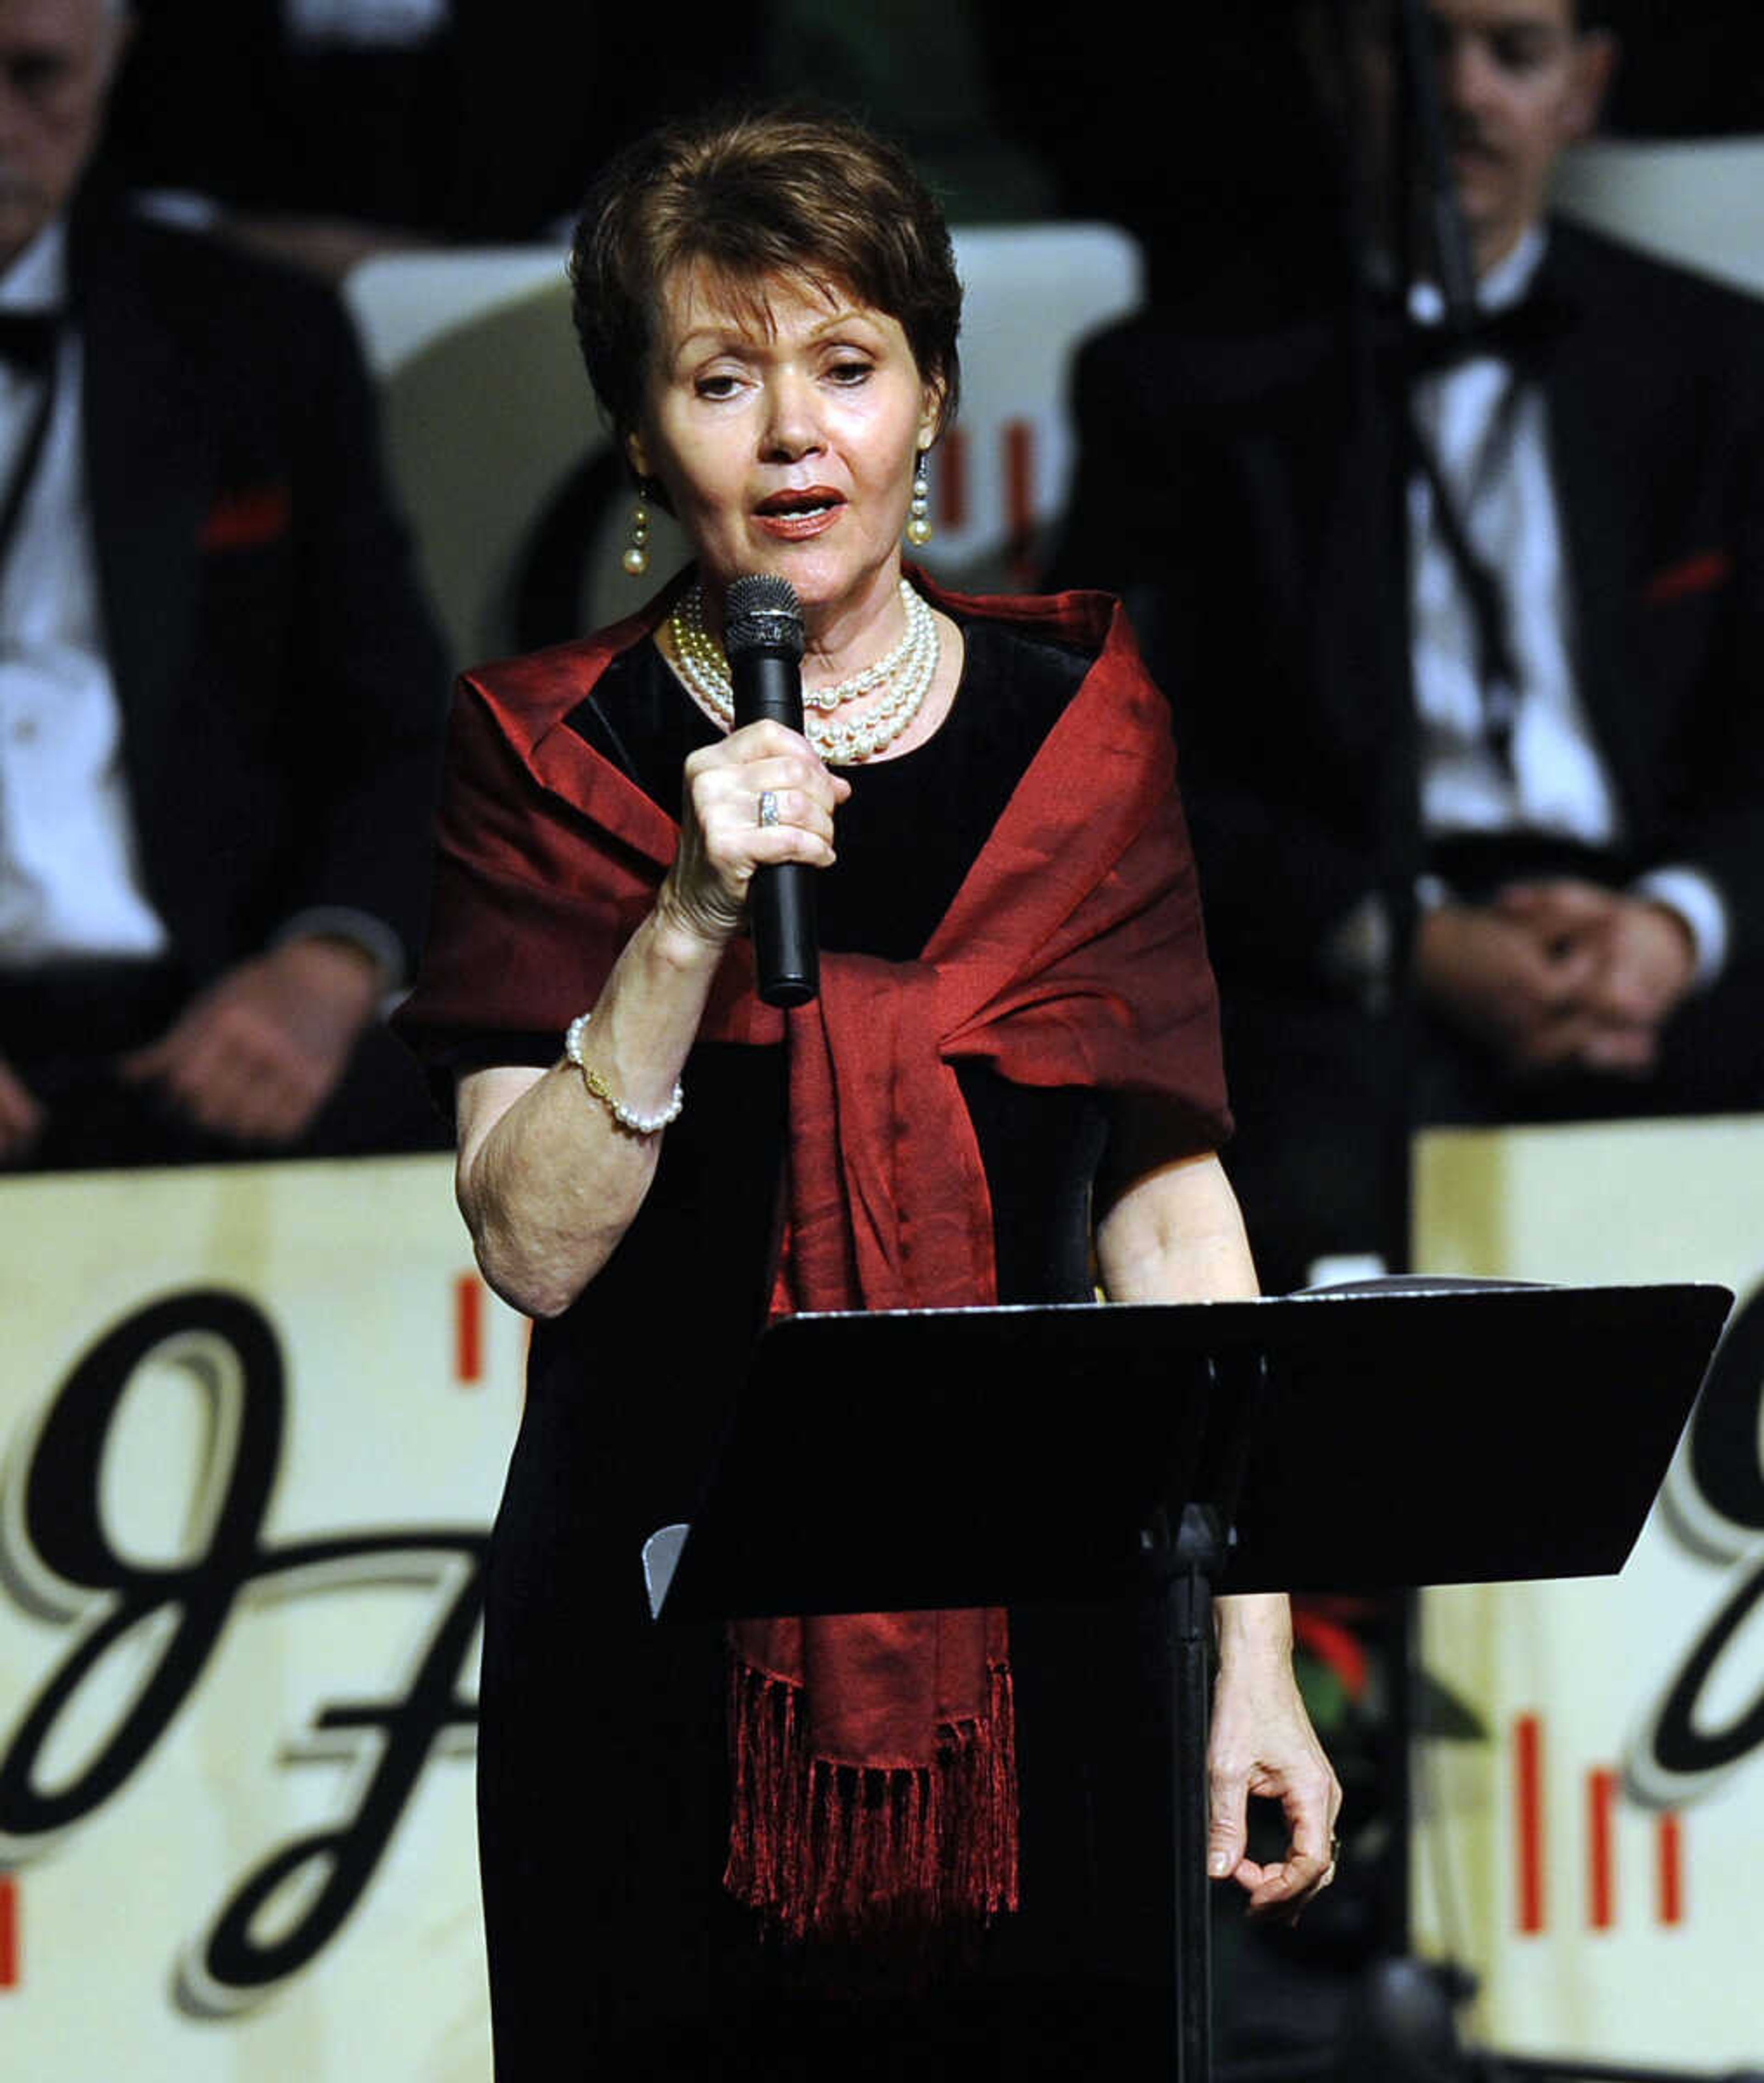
(1157, 1453)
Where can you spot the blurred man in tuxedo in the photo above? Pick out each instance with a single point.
(1463, 637)
(220, 693)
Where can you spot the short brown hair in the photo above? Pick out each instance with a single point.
(785, 191)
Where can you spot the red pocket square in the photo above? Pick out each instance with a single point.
(1702, 573)
(246, 519)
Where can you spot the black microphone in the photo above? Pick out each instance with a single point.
(763, 637)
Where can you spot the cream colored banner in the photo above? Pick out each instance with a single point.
(254, 1421)
(1595, 1860)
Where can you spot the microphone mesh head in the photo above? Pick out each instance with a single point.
(762, 613)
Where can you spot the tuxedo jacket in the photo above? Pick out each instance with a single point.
(1247, 498)
(282, 689)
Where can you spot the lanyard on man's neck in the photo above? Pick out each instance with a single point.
(24, 471)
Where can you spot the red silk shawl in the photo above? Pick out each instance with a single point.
(1072, 955)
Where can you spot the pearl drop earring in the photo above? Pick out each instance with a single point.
(636, 556)
(919, 528)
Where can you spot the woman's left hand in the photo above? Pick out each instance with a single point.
(1262, 1744)
(1175, 1235)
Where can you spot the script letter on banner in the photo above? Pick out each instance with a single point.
(254, 1421)
(1590, 1858)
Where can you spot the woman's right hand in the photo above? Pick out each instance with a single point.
(721, 839)
(549, 1181)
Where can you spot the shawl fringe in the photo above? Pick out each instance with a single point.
(825, 1850)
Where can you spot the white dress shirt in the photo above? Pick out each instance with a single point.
(70, 884)
(1491, 444)
(71, 888)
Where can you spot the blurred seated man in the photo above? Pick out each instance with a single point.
(1480, 814)
(220, 694)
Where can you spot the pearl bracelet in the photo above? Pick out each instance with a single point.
(637, 1124)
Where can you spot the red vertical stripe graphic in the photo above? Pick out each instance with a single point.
(1528, 1808)
(1670, 1870)
(468, 1328)
(1020, 499)
(1602, 1849)
(949, 471)
(9, 1932)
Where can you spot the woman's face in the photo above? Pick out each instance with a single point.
(784, 435)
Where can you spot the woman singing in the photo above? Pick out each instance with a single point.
(1013, 1060)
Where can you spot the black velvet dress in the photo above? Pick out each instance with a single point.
(614, 1950)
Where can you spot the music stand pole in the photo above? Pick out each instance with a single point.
(1185, 1566)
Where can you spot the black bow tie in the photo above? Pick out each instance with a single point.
(1523, 334)
(27, 340)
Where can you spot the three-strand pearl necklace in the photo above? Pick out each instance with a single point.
(907, 671)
